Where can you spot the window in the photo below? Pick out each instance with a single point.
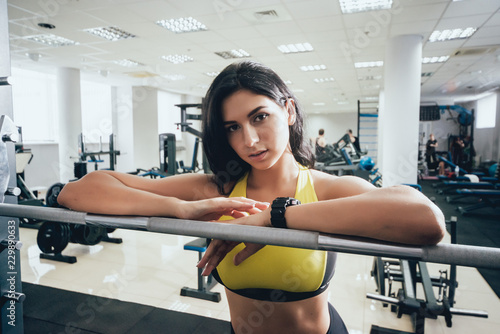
(486, 112)
(96, 112)
(35, 105)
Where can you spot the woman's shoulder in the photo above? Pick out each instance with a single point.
(328, 186)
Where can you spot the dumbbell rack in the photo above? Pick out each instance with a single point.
(11, 296)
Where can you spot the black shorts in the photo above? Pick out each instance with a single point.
(337, 325)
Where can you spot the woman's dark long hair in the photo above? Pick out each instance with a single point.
(226, 165)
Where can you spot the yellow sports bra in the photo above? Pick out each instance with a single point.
(294, 272)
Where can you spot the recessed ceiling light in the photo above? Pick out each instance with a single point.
(313, 68)
(368, 64)
(240, 53)
(296, 48)
(450, 34)
(46, 25)
(321, 80)
(212, 74)
(127, 63)
(371, 87)
(371, 98)
(51, 40)
(33, 56)
(432, 60)
(174, 77)
(355, 6)
(177, 59)
(181, 25)
(109, 33)
(370, 77)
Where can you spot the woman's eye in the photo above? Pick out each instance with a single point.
(260, 117)
(232, 128)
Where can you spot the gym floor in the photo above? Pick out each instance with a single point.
(150, 269)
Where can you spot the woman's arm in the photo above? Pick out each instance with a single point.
(398, 213)
(189, 196)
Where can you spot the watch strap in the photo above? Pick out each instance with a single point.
(278, 209)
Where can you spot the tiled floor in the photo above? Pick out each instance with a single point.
(150, 268)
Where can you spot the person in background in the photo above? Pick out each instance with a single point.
(430, 151)
(354, 140)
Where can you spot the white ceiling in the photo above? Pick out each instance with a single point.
(339, 40)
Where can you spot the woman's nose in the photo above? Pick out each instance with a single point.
(250, 136)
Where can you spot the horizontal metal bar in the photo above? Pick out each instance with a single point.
(464, 255)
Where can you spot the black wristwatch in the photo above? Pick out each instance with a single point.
(278, 209)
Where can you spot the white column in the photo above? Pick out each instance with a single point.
(70, 119)
(400, 110)
(145, 119)
(380, 130)
(123, 127)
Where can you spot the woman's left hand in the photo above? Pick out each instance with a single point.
(218, 249)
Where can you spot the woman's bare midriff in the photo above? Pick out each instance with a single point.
(250, 316)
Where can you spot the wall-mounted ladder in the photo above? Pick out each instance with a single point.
(368, 127)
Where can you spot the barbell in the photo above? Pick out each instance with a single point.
(462, 255)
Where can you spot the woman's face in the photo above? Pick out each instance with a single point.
(257, 128)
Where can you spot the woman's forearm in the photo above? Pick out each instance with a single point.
(104, 194)
(398, 214)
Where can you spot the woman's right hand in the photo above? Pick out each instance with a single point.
(214, 208)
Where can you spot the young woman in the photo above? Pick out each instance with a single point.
(253, 139)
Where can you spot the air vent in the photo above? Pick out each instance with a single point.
(266, 15)
(474, 51)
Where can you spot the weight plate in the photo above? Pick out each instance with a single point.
(92, 235)
(52, 193)
(53, 237)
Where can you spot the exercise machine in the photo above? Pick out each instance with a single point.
(410, 273)
(80, 167)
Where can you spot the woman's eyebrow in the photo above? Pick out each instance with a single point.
(250, 114)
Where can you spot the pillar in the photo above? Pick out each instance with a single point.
(70, 120)
(123, 127)
(400, 111)
(145, 132)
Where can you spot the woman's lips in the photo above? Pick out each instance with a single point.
(258, 156)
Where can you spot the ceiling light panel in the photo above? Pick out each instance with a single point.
(432, 60)
(174, 77)
(295, 48)
(307, 68)
(182, 25)
(127, 63)
(177, 59)
(109, 33)
(369, 64)
(51, 40)
(240, 53)
(322, 80)
(356, 6)
(451, 34)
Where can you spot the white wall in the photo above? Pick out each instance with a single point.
(43, 170)
(335, 125)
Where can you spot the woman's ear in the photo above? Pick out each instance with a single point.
(292, 113)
